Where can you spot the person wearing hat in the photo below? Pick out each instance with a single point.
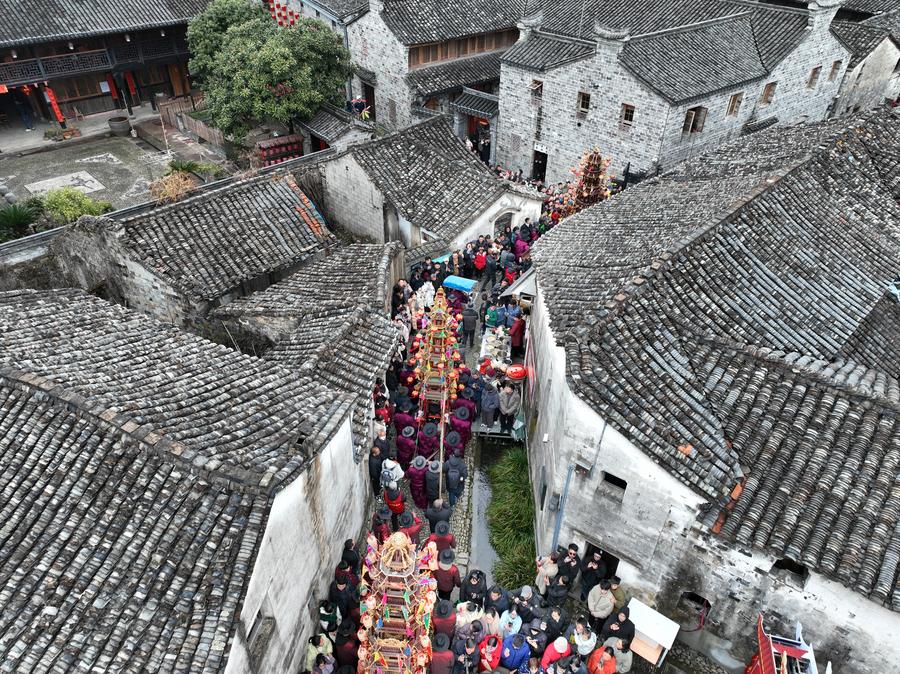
(416, 473)
(438, 512)
(404, 418)
(453, 444)
(558, 649)
(490, 403)
(442, 659)
(526, 602)
(442, 538)
(428, 438)
(381, 524)
(446, 575)
(396, 503)
(455, 474)
(411, 525)
(346, 645)
(433, 481)
(460, 422)
(406, 445)
(443, 619)
(466, 399)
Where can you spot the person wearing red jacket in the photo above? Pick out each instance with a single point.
(602, 661)
(442, 538)
(411, 525)
(517, 337)
(558, 649)
(489, 653)
(443, 619)
(447, 575)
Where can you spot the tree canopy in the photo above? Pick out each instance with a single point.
(258, 71)
(207, 30)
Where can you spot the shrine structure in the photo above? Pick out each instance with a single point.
(398, 596)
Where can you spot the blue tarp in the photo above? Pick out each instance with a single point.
(442, 258)
(466, 285)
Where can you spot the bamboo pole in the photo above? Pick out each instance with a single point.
(441, 447)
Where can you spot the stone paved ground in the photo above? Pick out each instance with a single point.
(123, 167)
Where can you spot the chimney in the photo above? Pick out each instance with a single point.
(611, 39)
(529, 23)
(821, 13)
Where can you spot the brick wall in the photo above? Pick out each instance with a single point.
(375, 48)
(351, 200)
(655, 136)
(870, 81)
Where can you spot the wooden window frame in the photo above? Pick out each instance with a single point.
(624, 123)
(582, 110)
(768, 94)
(734, 104)
(813, 79)
(694, 120)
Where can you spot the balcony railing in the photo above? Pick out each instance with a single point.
(25, 71)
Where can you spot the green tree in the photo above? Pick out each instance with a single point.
(265, 72)
(207, 30)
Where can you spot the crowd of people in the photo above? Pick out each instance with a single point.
(477, 628)
(482, 628)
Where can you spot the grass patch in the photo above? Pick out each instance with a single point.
(510, 517)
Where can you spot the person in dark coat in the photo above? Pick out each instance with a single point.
(438, 512)
(416, 475)
(498, 598)
(453, 443)
(557, 622)
(593, 570)
(618, 625)
(466, 400)
(433, 481)
(344, 571)
(446, 575)
(341, 595)
(490, 403)
(535, 638)
(442, 538)
(376, 458)
(474, 589)
(465, 657)
(558, 590)
(411, 525)
(570, 564)
(351, 556)
(443, 619)
(469, 325)
(346, 646)
(442, 659)
(455, 474)
(526, 602)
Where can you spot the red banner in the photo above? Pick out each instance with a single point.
(129, 80)
(112, 87)
(51, 99)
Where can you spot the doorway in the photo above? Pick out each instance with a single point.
(610, 560)
(539, 166)
(369, 95)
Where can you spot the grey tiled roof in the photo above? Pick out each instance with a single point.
(346, 349)
(477, 103)
(692, 62)
(455, 74)
(427, 173)
(355, 274)
(114, 557)
(427, 251)
(210, 243)
(890, 21)
(874, 343)
(542, 52)
(330, 123)
(56, 20)
(344, 9)
(219, 411)
(435, 20)
(871, 6)
(859, 38)
(780, 244)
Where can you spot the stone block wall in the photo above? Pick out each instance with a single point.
(351, 201)
(869, 82)
(374, 47)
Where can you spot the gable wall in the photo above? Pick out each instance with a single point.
(871, 80)
(352, 201)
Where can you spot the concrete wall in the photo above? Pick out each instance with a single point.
(352, 202)
(652, 528)
(308, 523)
(519, 205)
(871, 80)
(375, 48)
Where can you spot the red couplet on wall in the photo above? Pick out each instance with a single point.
(112, 87)
(51, 99)
(129, 80)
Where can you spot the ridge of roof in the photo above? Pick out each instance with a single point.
(691, 26)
